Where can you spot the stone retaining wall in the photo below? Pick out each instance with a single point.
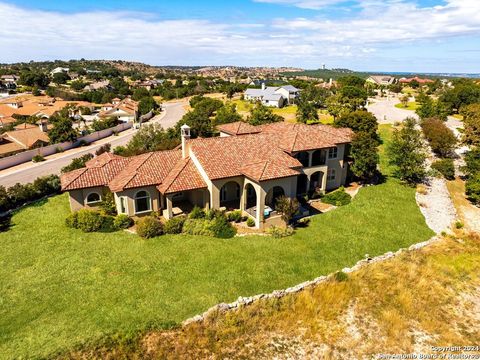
(244, 301)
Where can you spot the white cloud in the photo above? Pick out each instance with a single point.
(33, 34)
(305, 4)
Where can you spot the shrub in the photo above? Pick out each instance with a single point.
(303, 222)
(197, 227)
(38, 158)
(108, 224)
(59, 149)
(250, 222)
(89, 220)
(340, 276)
(221, 228)
(47, 185)
(122, 221)
(338, 197)
(278, 232)
(472, 187)
(148, 227)
(82, 143)
(72, 220)
(288, 207)
(197, 213)
(104, 148)
(459, 225)
(77, 163)
(212, 214)
(445, 167)
(174, 225)
(441, 138)
(235, 216)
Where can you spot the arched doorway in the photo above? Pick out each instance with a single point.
(230, 195)
(316, 180)
(302, 182)
(272, 196)
(319, 157)
(251, 196)
(304, 158)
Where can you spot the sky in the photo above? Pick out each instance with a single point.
(363, 35)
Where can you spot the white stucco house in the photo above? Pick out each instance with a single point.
(273, 96)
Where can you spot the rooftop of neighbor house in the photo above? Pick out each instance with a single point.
(416, 78)
(35, 105)
(126, 105)
(26, 135)
(263, 153)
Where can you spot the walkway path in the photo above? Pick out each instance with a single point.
(27, 172)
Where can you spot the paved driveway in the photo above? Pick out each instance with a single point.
(27, 172)
(385, 111)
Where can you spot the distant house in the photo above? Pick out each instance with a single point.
(105, 84)
(125, 110)
(58, 70)
(24, 137)
(416, 78)
(9, 81)
(381, 80)
(273, 96)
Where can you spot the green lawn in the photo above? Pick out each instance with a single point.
(412, 105)
(62, 288)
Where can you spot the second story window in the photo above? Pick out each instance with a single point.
(331, 175)
(332, 153)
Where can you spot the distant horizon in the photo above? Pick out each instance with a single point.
(423, 36)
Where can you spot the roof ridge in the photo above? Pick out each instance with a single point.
(75, 178)
(185, 163)
(138, 167)
(263, 171)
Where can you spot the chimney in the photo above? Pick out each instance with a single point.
(263, 85)
(43, 126)
(185, 130)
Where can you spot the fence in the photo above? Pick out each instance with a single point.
(28, 155)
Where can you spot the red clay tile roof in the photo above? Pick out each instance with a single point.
(183, 177)
(28, 137)
(238, 128)
(146, 169)
(98, 172)
(267, 170)
(222, 157)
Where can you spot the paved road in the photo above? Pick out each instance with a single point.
(28, 172)
(385, 111)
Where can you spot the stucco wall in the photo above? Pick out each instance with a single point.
(130, 196)
(78, 198)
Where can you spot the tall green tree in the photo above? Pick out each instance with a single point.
(407, 153)
(147, 104)
(471, 124)
(263, 115)
(306, 111)
(227, 114)
(151, 137)
(62, 130)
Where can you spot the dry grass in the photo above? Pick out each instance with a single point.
(409, 303)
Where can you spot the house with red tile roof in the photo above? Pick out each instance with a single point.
(247, 168)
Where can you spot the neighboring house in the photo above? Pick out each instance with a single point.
(59, 70)
(246, 168)
(416, 78)
(105, 84)
(125, 110)
(381, 80)
(273, 96)
(24, 137)
(10, 81)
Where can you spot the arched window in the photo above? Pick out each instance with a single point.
(93, 198)
(143, 202)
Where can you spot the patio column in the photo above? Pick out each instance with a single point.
(168, 214)
(260, 207)
(310, 158)
(324, 181)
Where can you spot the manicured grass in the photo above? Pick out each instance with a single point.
(412, 105)
(62, 288)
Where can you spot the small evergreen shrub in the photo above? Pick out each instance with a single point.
(338, 197)
(278, 232)
(174, 225)
(459, 225)
(445, 167)
(340, 276)
(197, 227)
(197, 213)
(89, 220)
(72, 220)
(38, 158)
(58, 149)
(472, 187)
(149, 227)
(250, 222)
(122, 221)
(221, 228)
(235, 216)
(212, 214)
(108, 224)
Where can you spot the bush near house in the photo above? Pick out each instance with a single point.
(196, 213)
(445, 167)
(338, 197)
(235, 216)
(218, 227)
(174, 225)
(122, 221)
(250, 222)
(149, 227)
(89, 220)
(38, 158)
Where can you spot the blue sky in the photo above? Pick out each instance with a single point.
(373, 35)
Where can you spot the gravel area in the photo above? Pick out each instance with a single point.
(437, 206)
